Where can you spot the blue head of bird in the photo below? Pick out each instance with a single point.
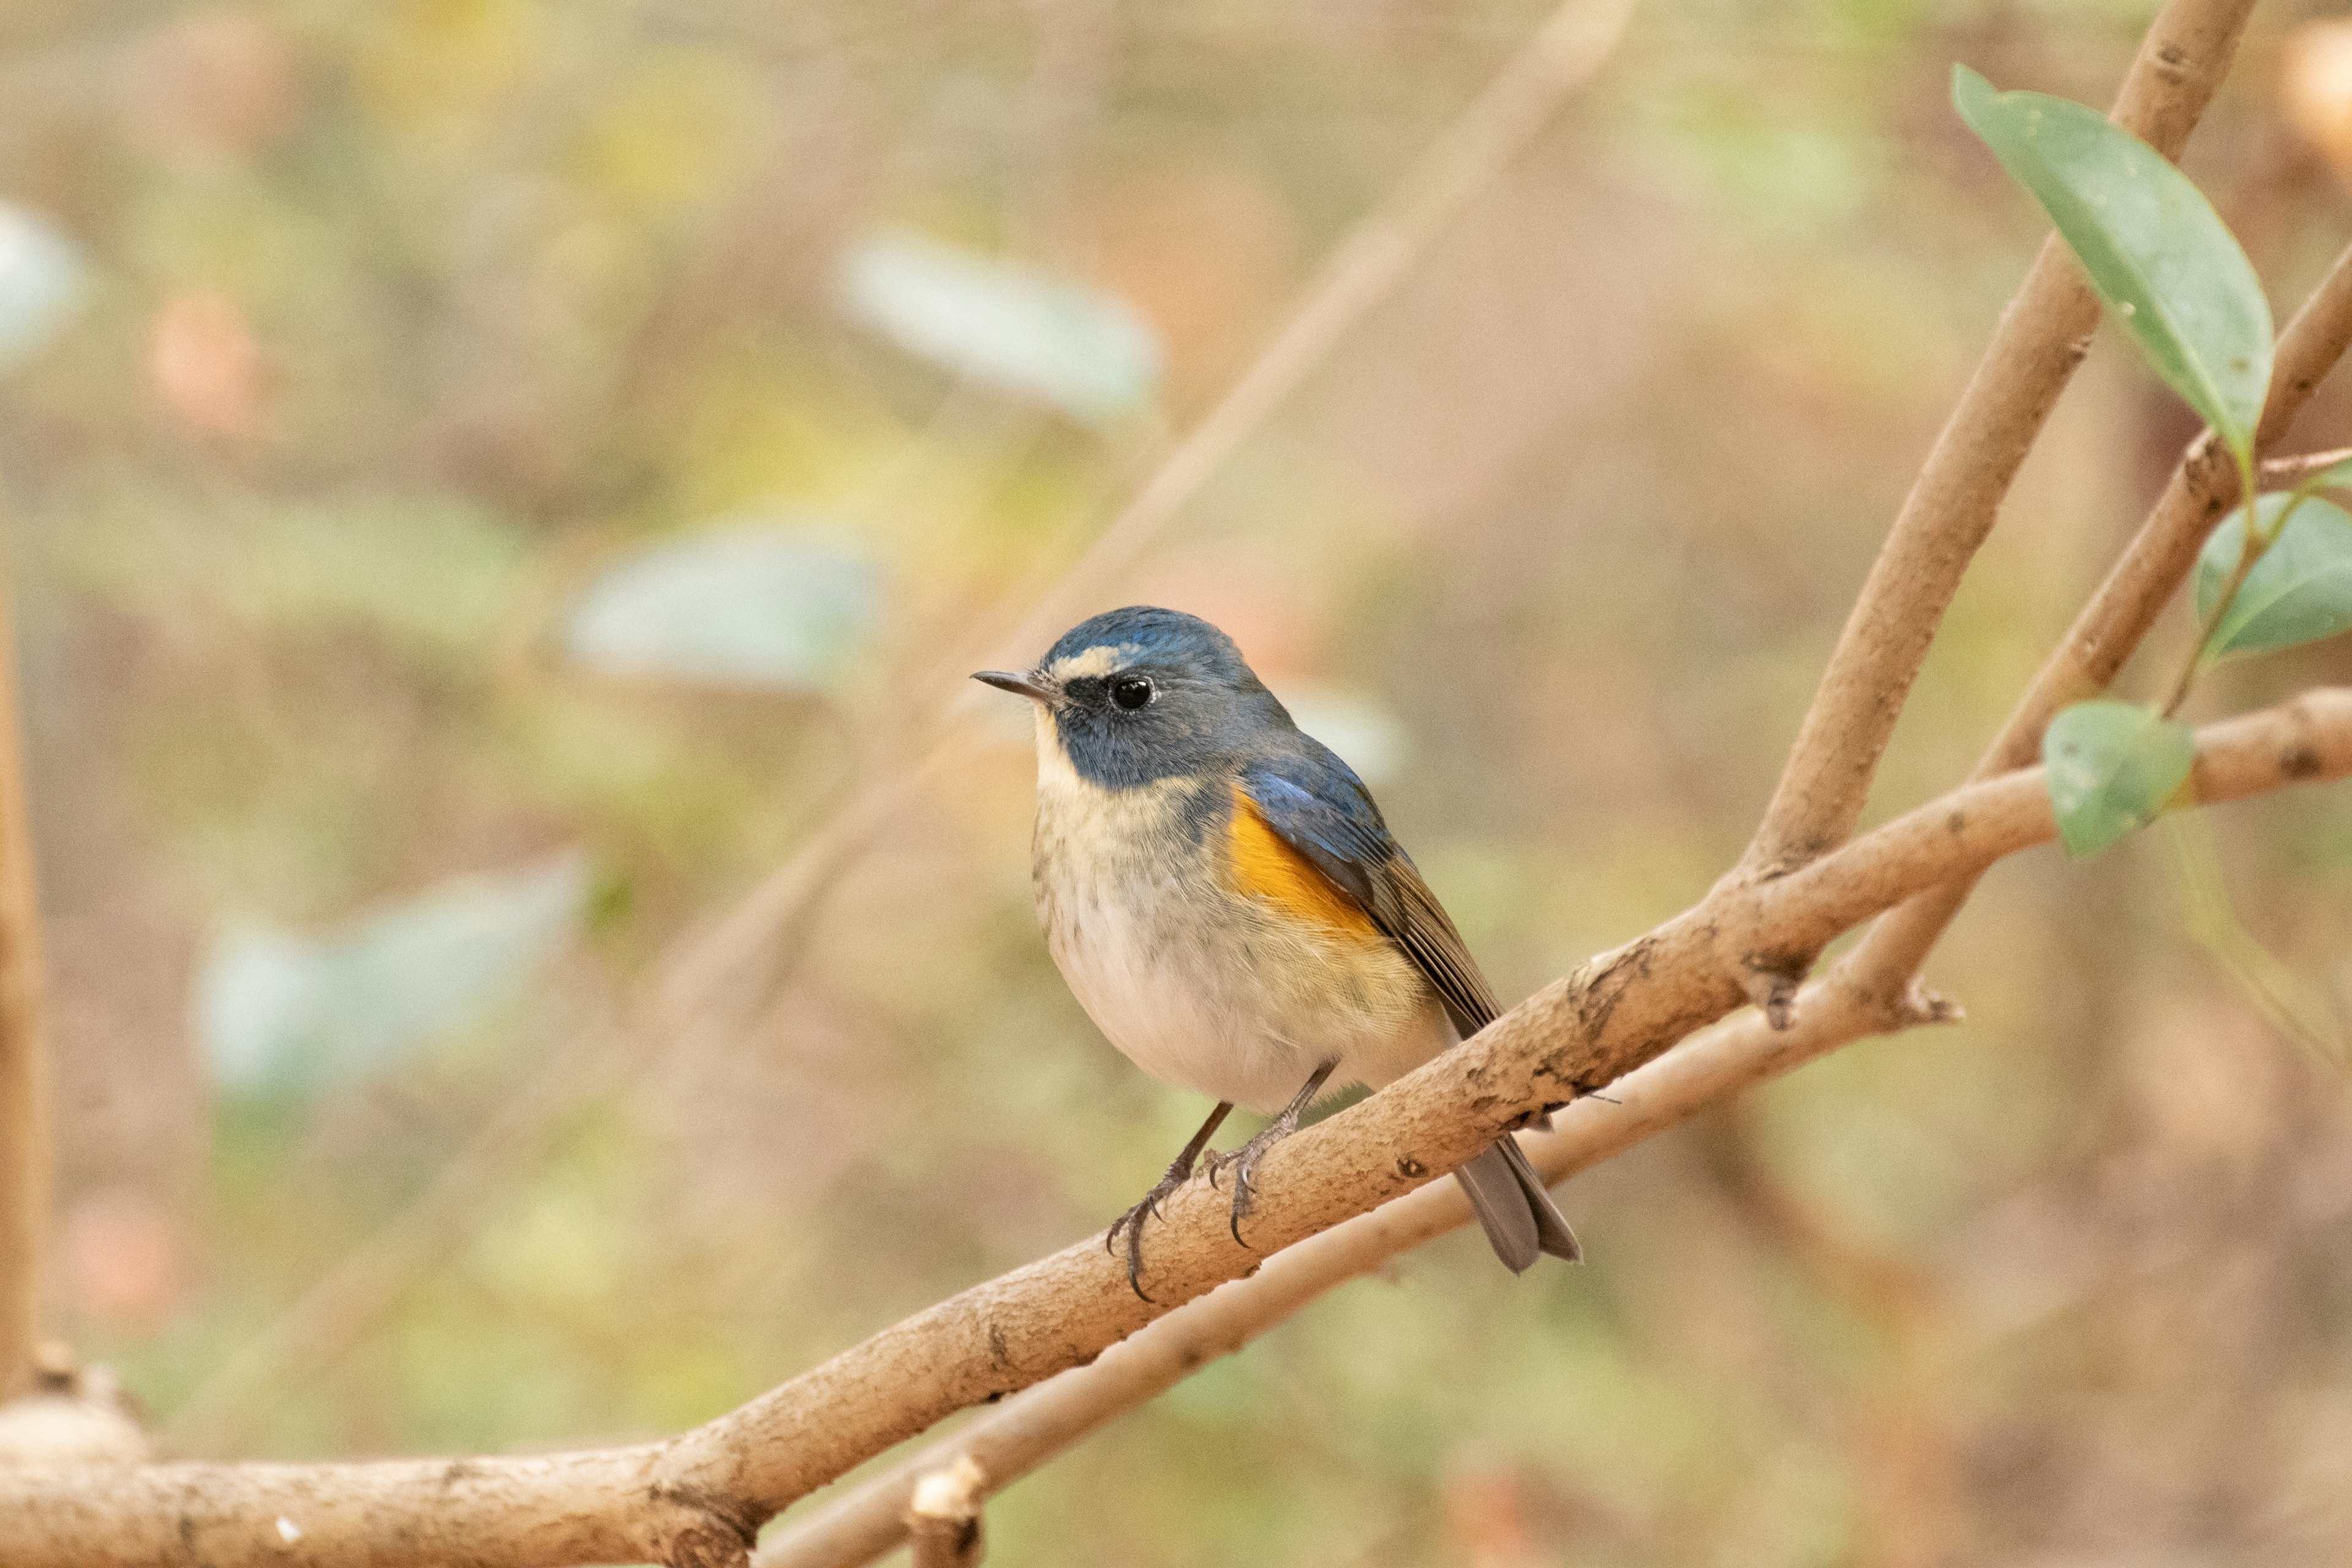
(1134, 696)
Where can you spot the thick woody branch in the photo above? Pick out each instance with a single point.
(2042, 338)
(694, 1499)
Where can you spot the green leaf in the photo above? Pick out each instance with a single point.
(2111, 768)
(2152, 246)
(2301, 589)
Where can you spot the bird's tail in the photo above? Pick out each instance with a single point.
(1520, 1219)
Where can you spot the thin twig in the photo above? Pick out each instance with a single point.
(2250, 551)
(1362, 273)
(694, 1500)
(2287, 473)
(23, 1068)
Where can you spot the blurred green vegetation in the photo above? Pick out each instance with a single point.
(356, 352)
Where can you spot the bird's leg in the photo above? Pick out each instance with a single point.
(1244, 1160)
(1178, 1174)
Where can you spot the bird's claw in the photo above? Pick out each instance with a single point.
(1243, 1161)
(1131, 1222)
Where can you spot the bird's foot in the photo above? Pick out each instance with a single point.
(1131, 1222)
(1242, 1162)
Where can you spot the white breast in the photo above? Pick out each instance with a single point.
(1198, 985)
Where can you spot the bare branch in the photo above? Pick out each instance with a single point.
(24, 1123)
(1952, 504)
(943, 1515)
(694, 1499)
(2285, 473)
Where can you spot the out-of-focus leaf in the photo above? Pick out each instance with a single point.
(1084, 352)
(2111, 768)
(2301, 589)
(275, 1008)
(2153, 247)
(742, 604)
(40, 284)
(1367, 736)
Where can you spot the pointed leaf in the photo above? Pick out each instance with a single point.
(276, 1007)
(2111, 767)
(2152, 246)
(2301, 589)
(740, 605)
(1086, 353)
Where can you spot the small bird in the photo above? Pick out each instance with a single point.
(1220, 892)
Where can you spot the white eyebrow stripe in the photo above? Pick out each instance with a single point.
(1100, 659)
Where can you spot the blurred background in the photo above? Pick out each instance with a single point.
(486, 482)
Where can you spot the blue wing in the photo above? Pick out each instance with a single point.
(1320, 808)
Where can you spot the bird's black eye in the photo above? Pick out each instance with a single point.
(1132, 692)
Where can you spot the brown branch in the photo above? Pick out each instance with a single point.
(2285, 473)
(2042, 338)
(694, 1499)
(942, 1515)
(24, 1123)
(713, 965)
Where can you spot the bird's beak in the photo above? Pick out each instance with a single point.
(1027, 686)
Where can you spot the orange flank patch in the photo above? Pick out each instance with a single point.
(1265, 867)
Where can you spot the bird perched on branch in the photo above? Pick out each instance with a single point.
(1220, 893)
